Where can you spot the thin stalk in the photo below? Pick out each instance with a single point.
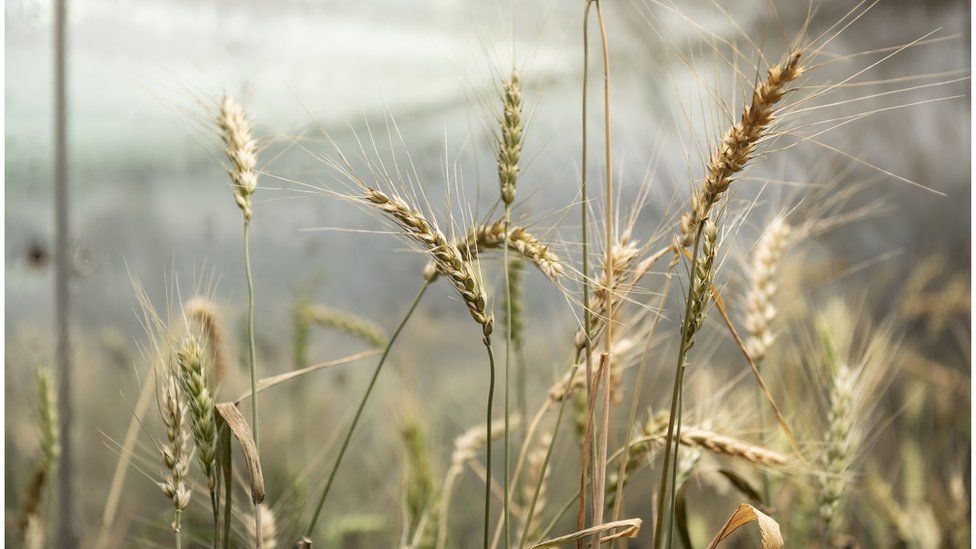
(762, 440)
(251, 361)
(491, 395)
(359, 410)
(508, 354)
(632, 416)
(601, 470)
(584, 199)
(678, 377)
(545, 462)
(177, 530)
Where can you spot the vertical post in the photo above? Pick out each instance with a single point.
(66, 532)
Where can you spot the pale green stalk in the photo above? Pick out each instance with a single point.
(359, 410)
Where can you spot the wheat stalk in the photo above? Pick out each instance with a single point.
(241, 149)
(269, 528)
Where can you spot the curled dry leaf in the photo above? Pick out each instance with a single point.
(242, 432)
(769, 534)
(628, 528)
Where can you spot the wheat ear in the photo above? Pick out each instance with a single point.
(622, 256)
(197, 388)
(760, 309)
(241, 149)
(204, 312)
(448, 260)
(269, 528)
(739, 143)
(176, 451)
(834, 481)
(345, 322)
(491, 236)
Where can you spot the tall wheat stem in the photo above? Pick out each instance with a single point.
(508, 353)
(675, 397)
(601, 469)
(491, 395)
(587, 436)
(359, 410)
(251, 359)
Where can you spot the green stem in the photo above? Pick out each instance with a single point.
(587, 446)
(359, 410)
(545, 462)
(251, 354)
(678, 378)
(491, 395)
(508, 354)
(177, 530)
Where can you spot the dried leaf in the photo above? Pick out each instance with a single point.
(627, 529)
(769, 534)
(268, 382)
(242, 432)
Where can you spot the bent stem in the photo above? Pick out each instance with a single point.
(491, 395)
(508, 353)
(251, 354)
(359, 410)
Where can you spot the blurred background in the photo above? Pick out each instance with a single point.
(150, 200)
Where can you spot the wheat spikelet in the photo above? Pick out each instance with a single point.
(176, 451)
(269, 528)
(196, 387)
(621, 349)
(204, 312)
(345, 322)
(510, 140)
(47, 427)
(760, 310)
(738, 144)
(623, 254)
(491, 236)
(241, 149)
(513, 305)
(838, 452)
(447, 259)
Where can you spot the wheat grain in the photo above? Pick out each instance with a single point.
(739, 143)
(623, 255)
(345, 322)
(176, 451)
(241, 149)
(760, 309)
(205, 313)
(510, 140)
(491, 236)
(196, 387)
(447, 258)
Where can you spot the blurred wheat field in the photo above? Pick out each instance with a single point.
(778, 330)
